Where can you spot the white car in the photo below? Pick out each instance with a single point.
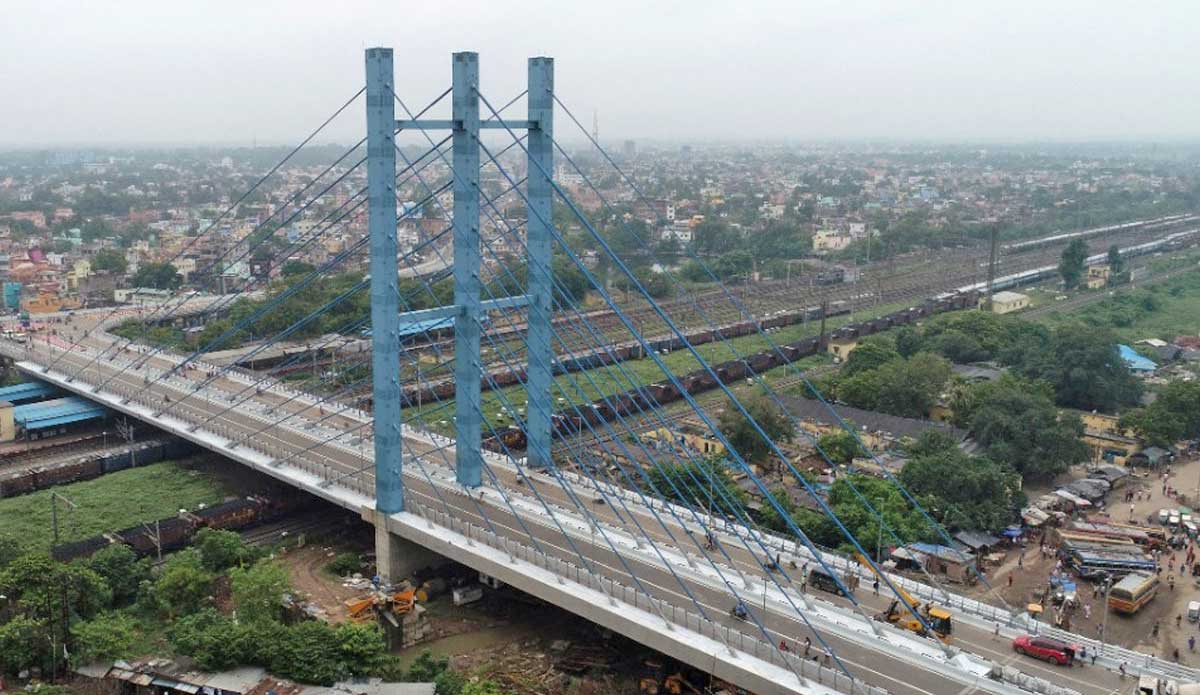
(1174, 521)
(1164, 516)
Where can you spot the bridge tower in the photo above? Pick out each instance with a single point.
(469, 308)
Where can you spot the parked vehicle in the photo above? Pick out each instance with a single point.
(1046, 649)
(1164, 516)
(1193, 611)
(822, 580)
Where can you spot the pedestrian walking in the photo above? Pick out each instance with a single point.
(1191, 643)
(875, 586)
(1093, 657)
(1082, 655)
(807, 646)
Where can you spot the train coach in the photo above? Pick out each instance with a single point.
(661, 393)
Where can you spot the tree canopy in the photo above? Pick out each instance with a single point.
(1073, 263)
(745, 437)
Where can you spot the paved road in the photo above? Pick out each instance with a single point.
(517, 513)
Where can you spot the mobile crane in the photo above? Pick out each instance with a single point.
(909, 614)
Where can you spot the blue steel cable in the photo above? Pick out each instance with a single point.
(855, 490)
(429, 242)
(565, 297)
(675, 329)
(625, 320)
(296, 287)
(241, 199)
(599, 488)
(933, 524)
(876, 515)
(578, 503)
(225, 301)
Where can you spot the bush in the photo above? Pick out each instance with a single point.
(345, 564)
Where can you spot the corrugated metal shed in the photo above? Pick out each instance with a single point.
(53, 413)
(27, 392)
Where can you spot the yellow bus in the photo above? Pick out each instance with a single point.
(1133, 592)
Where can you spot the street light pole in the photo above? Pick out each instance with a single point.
(1104, 623)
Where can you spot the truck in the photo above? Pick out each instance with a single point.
(909, 614)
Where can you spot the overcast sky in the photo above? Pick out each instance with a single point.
(219, 71)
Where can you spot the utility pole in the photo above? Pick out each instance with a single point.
(824, 310)
(991, 274)
(54, 497)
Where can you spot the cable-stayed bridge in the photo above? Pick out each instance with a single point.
(663, 559)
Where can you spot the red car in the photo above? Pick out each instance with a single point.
(1046, 649)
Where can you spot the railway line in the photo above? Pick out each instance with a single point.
(919, 278)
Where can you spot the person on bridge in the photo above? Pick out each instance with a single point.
(739, 611)
(1191, 643)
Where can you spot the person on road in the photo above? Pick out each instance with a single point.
(1191, 643)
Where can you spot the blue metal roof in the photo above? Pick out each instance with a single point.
(1135, 361)
(28, 391)
(60, 411)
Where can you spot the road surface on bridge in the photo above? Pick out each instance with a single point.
(516, 514)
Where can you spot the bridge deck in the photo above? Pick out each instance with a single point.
(507, 532)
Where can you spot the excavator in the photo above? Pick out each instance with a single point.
(900, 614)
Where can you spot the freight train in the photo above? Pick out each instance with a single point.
(665, 392)
(175, 532)
(86, 468)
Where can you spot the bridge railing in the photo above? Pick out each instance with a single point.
(808, 669)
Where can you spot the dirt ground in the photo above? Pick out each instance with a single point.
(532, 648)
(529, 647)
(306, 568)
(1021, 581)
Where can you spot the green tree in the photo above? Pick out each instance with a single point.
(705, 484)
(121, 570)
(1085, 369)
(1022, 429)
(183, 584)
(715, 237)
(221, 549)
(840, 446)
(569, 279)
(1116, 264)
(904, 387)
(1073, 263)
(23, 644)
(308, 652)
(107, 637)
(984, 494)
(362, 647)
(110, 260)
(899, 517)
(161, 276)
(258, 591)
(213, 640)
(745, 436)
(733, 267)
(296, 269)
(871, 353)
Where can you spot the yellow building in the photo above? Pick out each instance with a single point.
(1097, 277)
(697, 441)
(1007, 302)
(1107, 440)
(841, 346)
(8, 428)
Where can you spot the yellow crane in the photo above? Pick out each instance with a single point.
(910, 614)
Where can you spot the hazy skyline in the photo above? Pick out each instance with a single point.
(140, 72)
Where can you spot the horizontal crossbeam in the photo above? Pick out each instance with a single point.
(426, 124)
(452, 310)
